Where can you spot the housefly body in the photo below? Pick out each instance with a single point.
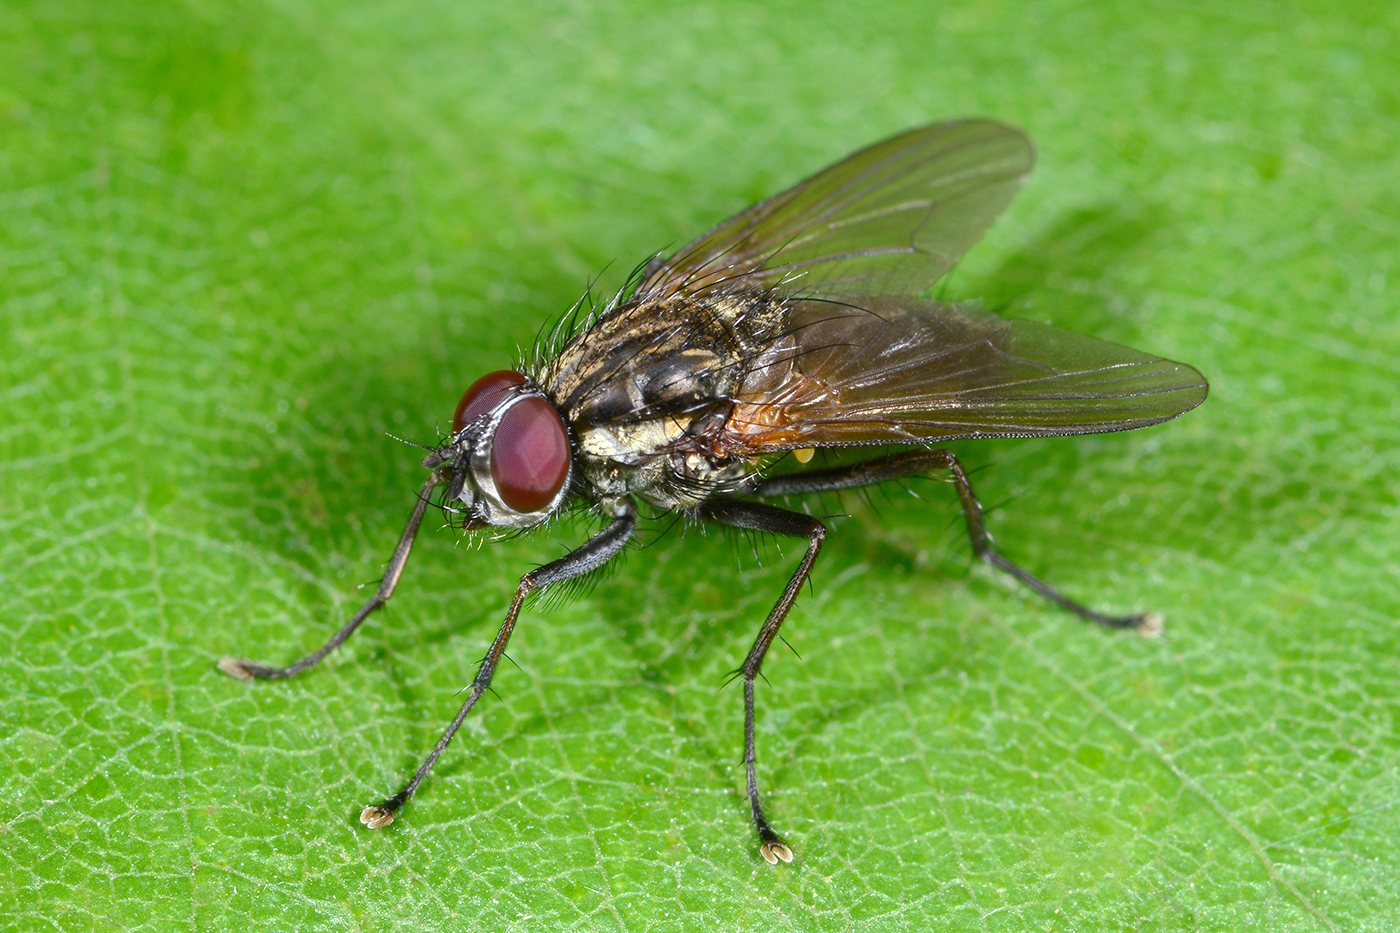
(798, 324)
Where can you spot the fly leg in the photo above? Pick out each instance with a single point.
(757, 516)
(247, 670)
(912, 463)
(594, 553)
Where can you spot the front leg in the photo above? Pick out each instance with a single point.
(594, 553)
(913, 463)
(757, 516)
(247, 670)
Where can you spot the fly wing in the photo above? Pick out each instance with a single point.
(904, 370)
(889, 220)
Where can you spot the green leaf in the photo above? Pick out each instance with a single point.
(242, 241)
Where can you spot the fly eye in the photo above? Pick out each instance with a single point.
(530, 455)
(485, 394)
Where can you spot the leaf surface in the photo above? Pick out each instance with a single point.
(241, 242)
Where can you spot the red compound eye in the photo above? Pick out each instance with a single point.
(485, 394)
(530, 455)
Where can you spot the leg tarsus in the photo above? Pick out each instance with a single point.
(771, 846)
(757, 516)
(248, 670)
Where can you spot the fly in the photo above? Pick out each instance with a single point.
(797, 325)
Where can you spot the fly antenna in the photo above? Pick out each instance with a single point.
(409, 443)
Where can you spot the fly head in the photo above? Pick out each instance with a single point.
(509, 454)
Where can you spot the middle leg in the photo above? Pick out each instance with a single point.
(594, 553)
(758, 516)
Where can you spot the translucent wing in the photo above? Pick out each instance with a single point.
(903, 370)
(862, 359)
(889, 220)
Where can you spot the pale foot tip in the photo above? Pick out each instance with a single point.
(376, 817)
(235, 667)
(1150, 624)
(774, 852)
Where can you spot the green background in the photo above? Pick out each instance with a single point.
(242, 241)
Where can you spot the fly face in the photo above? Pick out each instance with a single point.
(508, 457)
(799, 323)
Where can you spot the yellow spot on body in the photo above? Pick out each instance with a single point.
(805, 454)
